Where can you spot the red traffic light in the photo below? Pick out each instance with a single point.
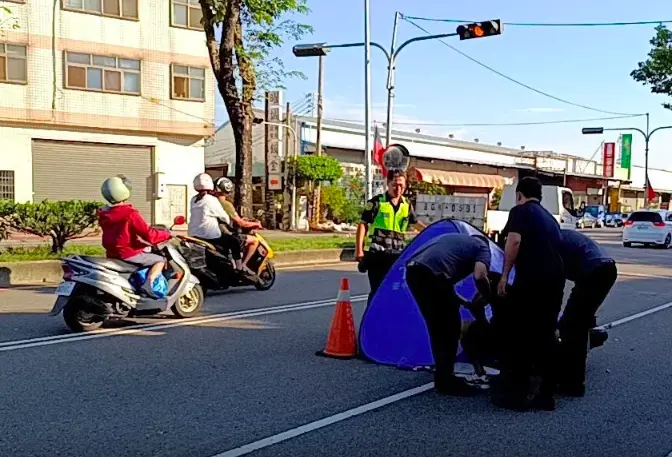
(480, 29)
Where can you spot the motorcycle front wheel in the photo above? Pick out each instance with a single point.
(78, 319)
(266, 278)
(189, 304)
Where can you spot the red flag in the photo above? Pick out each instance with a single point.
(378, 150)
(651, 194)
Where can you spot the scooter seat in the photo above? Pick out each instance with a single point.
(118, 266)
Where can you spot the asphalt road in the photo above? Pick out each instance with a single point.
(214, 386)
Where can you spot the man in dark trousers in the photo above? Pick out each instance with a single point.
(594, 274)
(533, 301)
(431, 275)
(384, 223)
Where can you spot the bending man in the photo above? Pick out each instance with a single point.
(594, 274)
(431, 275)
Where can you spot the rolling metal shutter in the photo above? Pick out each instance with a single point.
(64, 170)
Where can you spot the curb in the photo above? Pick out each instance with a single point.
(49, 271)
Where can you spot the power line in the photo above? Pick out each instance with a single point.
(543, 24)
(505, 124)
(515, 81)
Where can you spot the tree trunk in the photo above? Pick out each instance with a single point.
(238, 108)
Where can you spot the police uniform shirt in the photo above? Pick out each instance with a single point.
(453, 255)
(371, 210)
(540, 237)
(581, 255)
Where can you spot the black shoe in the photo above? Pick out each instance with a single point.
(511, 402)
(597, 338)
(544, 402)
(572, 390)
(454, 386)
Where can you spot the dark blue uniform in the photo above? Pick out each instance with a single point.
(533, 304)
(431, 275)
(594, 273)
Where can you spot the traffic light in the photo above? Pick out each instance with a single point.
(480, 29)
(592, 130)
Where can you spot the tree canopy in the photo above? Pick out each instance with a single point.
(656, 71)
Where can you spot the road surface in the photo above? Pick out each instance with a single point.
(244, 380)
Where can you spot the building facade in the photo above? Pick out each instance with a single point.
(95, 88)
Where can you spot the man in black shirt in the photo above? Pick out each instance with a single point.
(535, 299)
(431, 275)
(594, 274)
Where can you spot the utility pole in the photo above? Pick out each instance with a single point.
(286, 198)
(390, 81)
(367, 103)
(318, 141)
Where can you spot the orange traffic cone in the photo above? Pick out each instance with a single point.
(342, 340)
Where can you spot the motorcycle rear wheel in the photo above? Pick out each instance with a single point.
(266, 278)
(79, 320)
(190, 304)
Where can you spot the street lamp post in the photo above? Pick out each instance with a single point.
(647, 137)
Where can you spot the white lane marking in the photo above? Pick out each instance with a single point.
(312, 426)
(330, 420)
(59, 339)
(644, 275)
(618, 322)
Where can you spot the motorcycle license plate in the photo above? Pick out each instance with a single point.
(65, 288)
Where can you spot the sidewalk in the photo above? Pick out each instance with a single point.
(24, 240)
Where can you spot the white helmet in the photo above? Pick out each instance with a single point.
(116, 189)
(203, 182)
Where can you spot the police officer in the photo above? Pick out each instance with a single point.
(594, 274)
(431, 274)
(533, 301)
(384, 223)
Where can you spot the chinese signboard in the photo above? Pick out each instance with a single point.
(626, 151)
(273, 137)
(608, 160)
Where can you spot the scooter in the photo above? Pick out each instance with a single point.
(215, 269)
(96, 289)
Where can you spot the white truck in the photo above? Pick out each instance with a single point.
(559, 201)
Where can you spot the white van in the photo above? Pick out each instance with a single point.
(559, 201)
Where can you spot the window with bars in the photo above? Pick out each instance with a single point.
(13, 64)
(125, 9)
(186, 14)
(7, 185)
(102, 73)
(188, 83)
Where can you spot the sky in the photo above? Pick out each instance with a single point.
(435, 85)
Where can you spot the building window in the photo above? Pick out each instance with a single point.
(102, 73)
(6, 185)
(13, 64)
(188, 83)
(186, 14)
(125, 9)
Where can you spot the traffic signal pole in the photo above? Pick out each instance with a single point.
(647, 137)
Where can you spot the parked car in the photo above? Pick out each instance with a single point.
(614, 219)
(587, 221)
(648, 227)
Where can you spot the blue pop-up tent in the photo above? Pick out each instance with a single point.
(393, 331)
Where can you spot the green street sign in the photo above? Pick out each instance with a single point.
(626, 150)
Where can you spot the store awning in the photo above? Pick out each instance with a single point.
(461, 179)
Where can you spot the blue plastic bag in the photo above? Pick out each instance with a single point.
(159, 287)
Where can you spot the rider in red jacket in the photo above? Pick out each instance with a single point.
(126, 235)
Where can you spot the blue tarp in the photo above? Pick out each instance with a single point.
(393, 331)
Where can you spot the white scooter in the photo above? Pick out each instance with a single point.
(97, 289)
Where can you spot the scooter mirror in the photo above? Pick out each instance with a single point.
(179, 220)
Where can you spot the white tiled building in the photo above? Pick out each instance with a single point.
(122, 86)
